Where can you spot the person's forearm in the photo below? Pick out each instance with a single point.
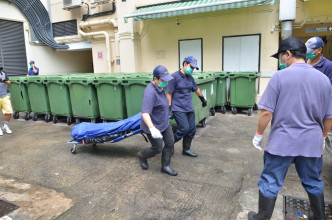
(263, 120)
(198, 92)
(147, 120)
(327, 125)
(169, 95)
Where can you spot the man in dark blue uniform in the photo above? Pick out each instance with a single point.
(180, 103)
(33, 70)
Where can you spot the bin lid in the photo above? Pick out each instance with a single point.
(252, 75)
(202, 78)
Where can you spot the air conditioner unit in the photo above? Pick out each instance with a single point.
(101, 1)
(69, 4)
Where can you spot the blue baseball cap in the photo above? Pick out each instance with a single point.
(162, 72)
(314, 43)
(32, 62)
(192, 61)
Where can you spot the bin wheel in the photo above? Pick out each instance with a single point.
(223, 110)
(55, 119)
(212, 111)
(77, 120)
(255, 107)
(35, 117)
(234, 110)
(203, 123)
(93, 120)
(27, 116)
(47, 117)
(16, 115)
(249, 111)
(69, 120)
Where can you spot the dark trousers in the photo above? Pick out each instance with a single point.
(275, 170)
(186, 124)
(158, 144)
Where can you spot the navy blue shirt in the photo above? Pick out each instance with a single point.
(155, 103)
(31, 73)
(181, 87)
(325, 66)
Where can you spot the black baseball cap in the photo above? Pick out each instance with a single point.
(293, 44)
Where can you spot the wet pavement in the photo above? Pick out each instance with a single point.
(40, 175)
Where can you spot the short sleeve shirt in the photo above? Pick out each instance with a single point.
(32, 73)
(181, 87)
(325, 66)
(300, 99)
(155, 103)
(3, 86)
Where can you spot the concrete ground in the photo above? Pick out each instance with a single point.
(40, 175)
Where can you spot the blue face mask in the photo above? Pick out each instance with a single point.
(311, 55)
(188, 71)
(162, 84)
(282, 66)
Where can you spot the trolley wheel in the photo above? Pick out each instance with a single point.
(212, 111)
(255, 107)
(55, 119)
(77, 120)
(35, 117)
(223, 109)
(93, 120)
(47, 117)
(16, 115)
(249, 111)
(69, 120)
(234, 110)
(203, 123)
(27, 116)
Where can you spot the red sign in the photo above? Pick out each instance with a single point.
(100, 55)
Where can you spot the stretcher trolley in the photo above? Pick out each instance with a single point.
(91, 133)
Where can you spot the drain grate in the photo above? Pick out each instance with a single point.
(295, 207)
(6, 207)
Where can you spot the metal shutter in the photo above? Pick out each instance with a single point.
(66, 28)
(12, 48)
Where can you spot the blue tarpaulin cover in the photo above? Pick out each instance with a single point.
(86, 130)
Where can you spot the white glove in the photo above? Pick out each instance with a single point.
(155, 133)
(324, 142)
(257, 141)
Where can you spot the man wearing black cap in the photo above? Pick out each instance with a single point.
(180, 103)
(298, 100)
(33, 70)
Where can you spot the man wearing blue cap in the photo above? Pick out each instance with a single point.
(315, 57)
(155, 121)
(180, 103)
(33, 70)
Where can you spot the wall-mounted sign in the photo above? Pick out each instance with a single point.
(100, 55)
(318, 29)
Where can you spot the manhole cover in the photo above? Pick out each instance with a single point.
(6, 207)
(295, 207)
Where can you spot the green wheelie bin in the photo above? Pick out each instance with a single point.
(38, 96)
(242, 91)
(111, 97)
(19, 97)
(59, 98)
(83, 97)
(134, 86)
(221, 90)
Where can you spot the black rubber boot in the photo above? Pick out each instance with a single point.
(317, 206)
(265, 208)
(186, 143)
(175, 140)
(165, 162)
(143, 162)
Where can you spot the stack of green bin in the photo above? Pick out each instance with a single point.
(19, 97)
(111, 96)
(83, 97)
(242, 90)
(221, 98)
(59, 97)
(134, 86)
(38, 97)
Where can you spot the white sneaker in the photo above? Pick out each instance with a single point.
(1, 133)
(7, 130)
